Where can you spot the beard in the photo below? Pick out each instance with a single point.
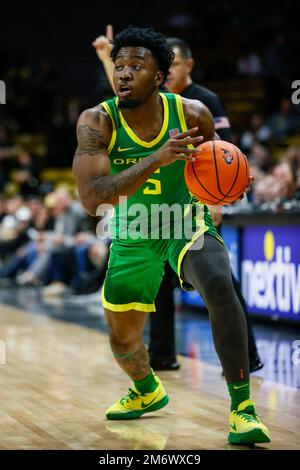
(129, 104)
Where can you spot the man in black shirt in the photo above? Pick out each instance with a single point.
(180, 82)
(162, 350)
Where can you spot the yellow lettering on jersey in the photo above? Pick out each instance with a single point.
(156, 188)
(127, 161)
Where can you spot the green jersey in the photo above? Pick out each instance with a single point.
(166, 186)
(135, 270)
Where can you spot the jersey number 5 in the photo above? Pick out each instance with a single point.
(156, 189)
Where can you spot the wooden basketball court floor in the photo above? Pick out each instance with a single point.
(58, 378)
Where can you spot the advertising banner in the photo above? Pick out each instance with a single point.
(270, 268)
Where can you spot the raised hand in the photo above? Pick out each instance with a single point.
(103, 44)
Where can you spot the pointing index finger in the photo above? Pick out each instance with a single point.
(109, 32)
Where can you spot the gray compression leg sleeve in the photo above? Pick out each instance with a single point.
(208, 271)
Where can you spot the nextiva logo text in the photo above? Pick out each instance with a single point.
(271, 270)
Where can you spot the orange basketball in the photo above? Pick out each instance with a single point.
(219, 175)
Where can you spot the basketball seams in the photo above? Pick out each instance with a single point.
(237, 172)
(216, 170)
(236, 176)
(203, 199)
(247, 175)
(207, 201)
(195, 174)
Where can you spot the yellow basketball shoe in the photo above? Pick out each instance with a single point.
(245, 425)
(136, 403)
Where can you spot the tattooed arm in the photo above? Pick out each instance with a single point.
(91, 165)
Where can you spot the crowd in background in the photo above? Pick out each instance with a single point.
(46, 239)
(50, 241)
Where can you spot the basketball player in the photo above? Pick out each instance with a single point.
(136, 145)
(162, 349)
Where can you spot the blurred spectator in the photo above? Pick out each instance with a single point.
(249, 64)
(260, 162)
(286, 121)
(5, 157)
(69, 215)
(280, 184)
(292, 155)
(2, 210)
(26, 174)
(25, 252)
(14, 223)
(80, 267)
(258, 131)
(285, 176)
(259, 156)
(49, 246)
(35, 205)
